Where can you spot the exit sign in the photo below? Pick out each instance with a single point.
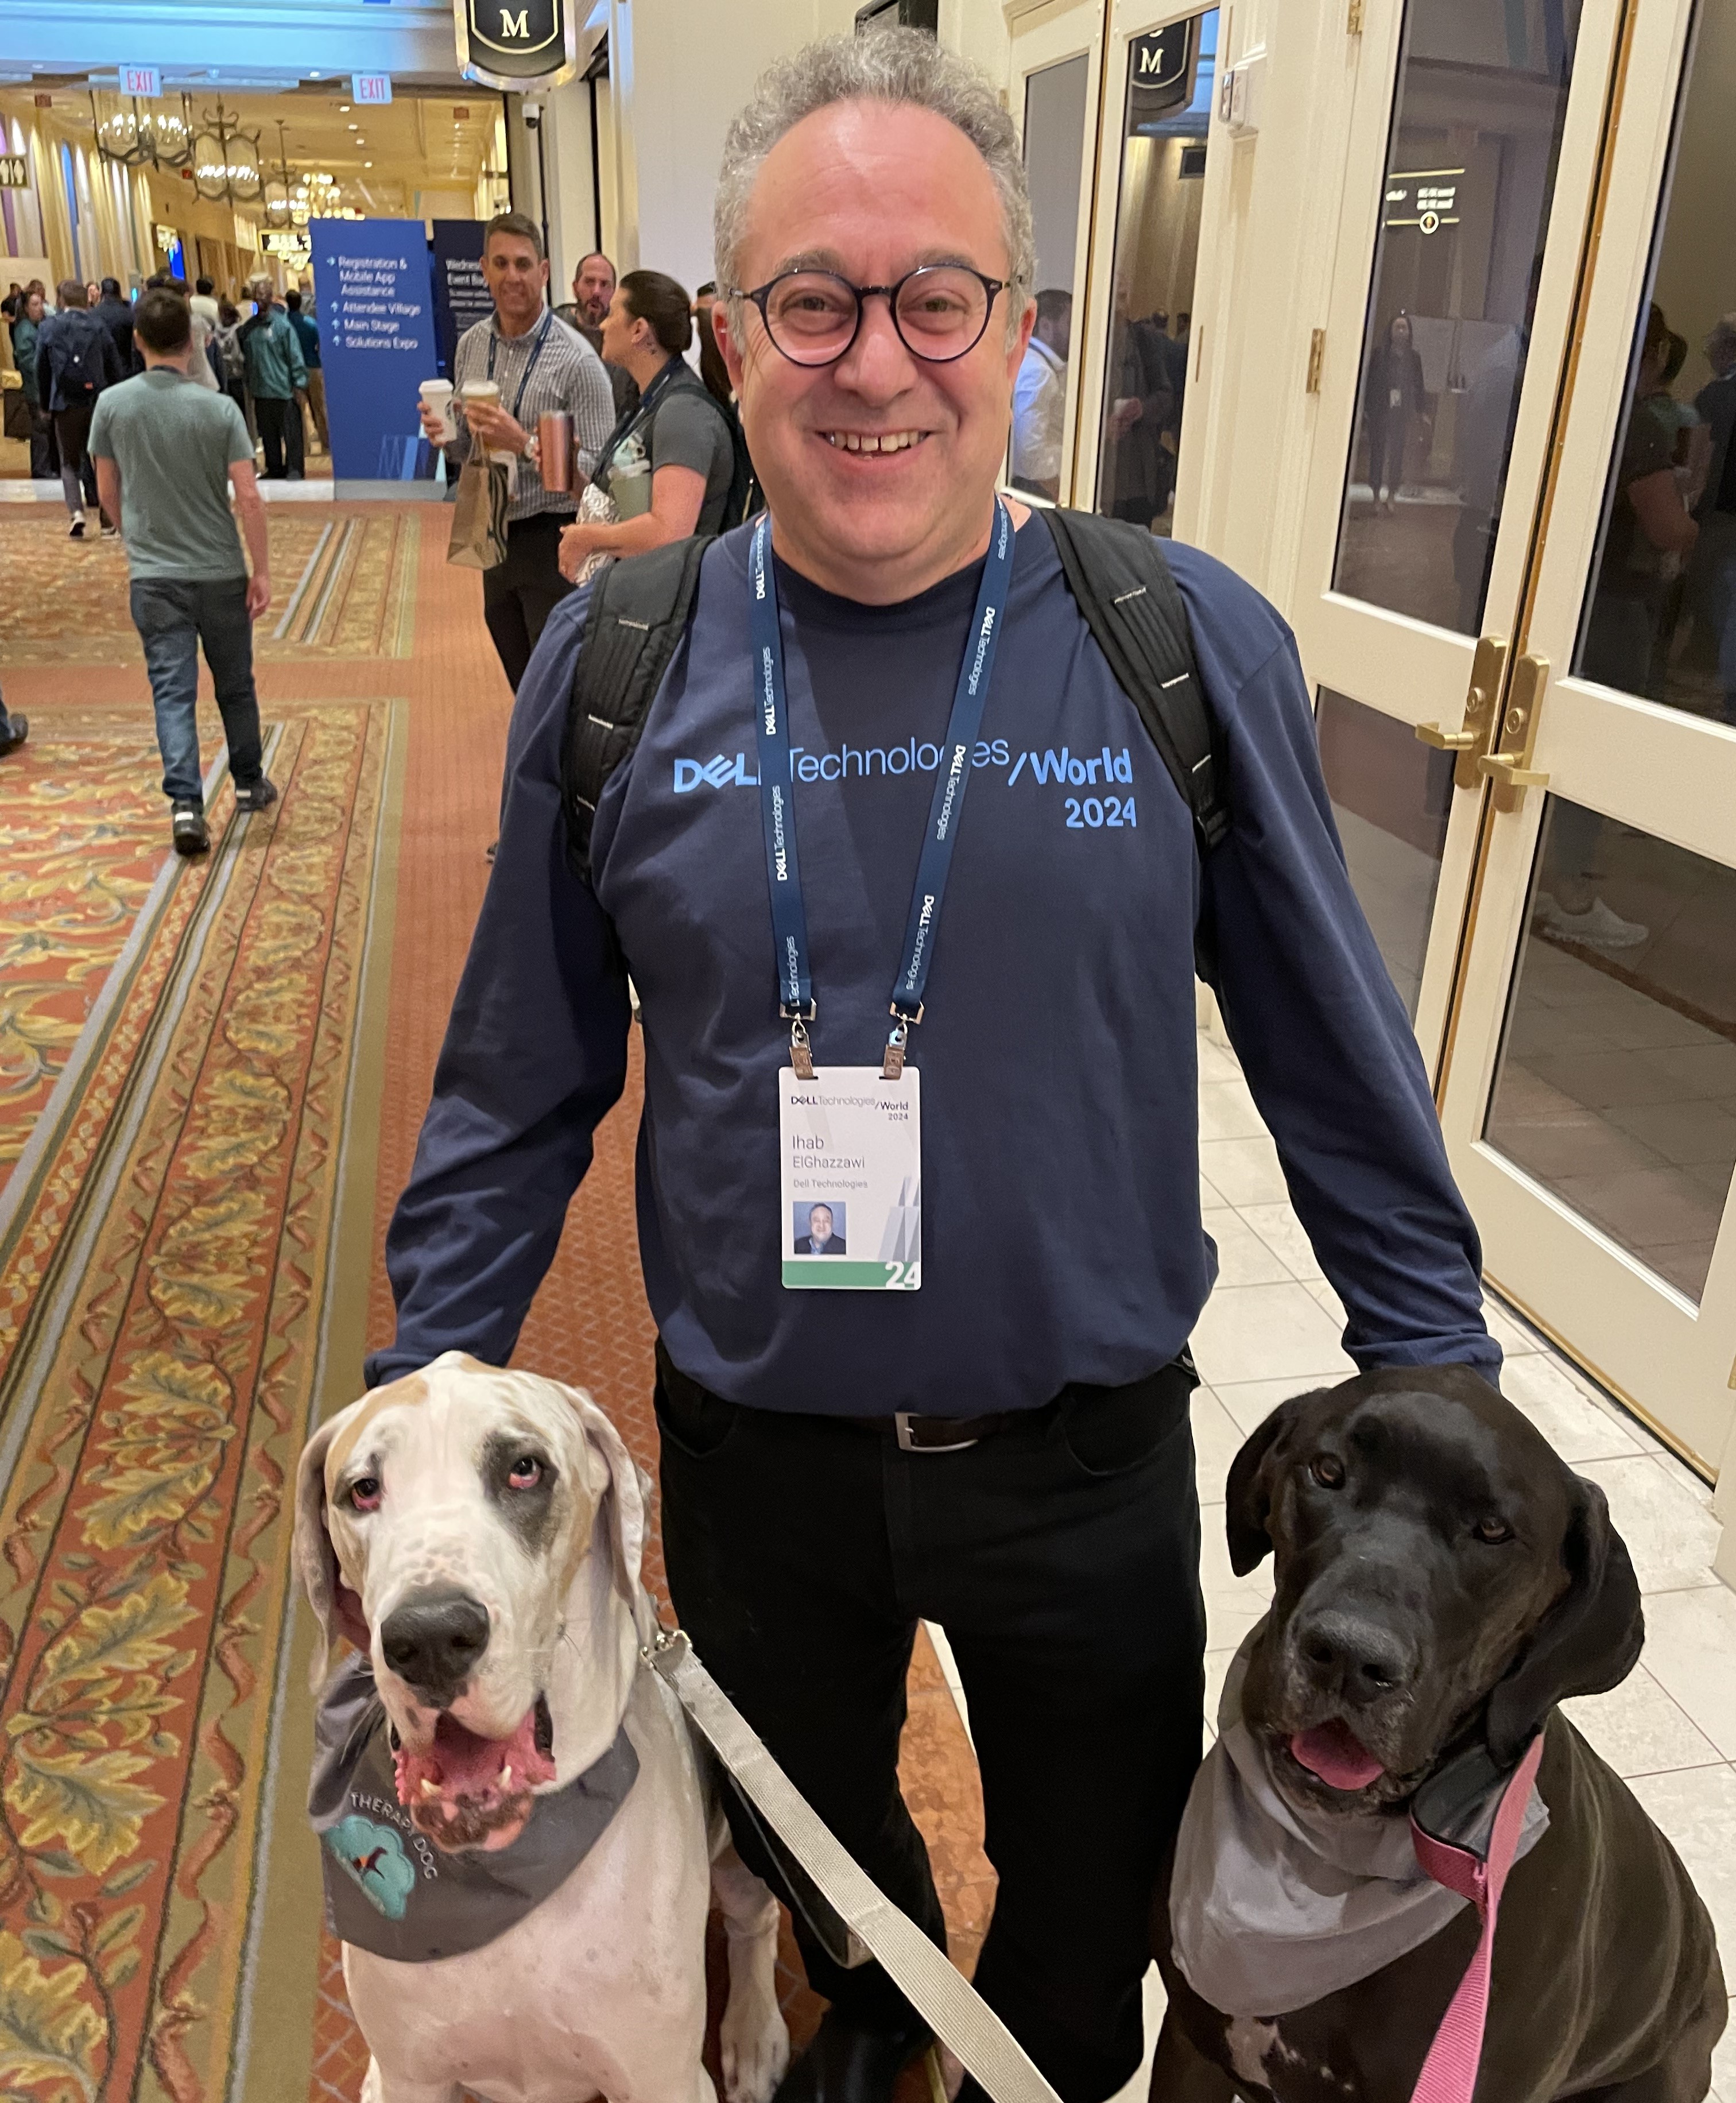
(144, 80)
(370, 87)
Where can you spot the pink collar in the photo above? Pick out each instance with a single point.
(1449, 2073)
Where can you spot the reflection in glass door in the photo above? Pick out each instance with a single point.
(1055, 68)
(1054, 167)
(1590, 1104)
(1165, 115)
(1471, 171)
(1473, 148)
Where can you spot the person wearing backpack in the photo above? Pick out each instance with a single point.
(912, 813)
(232, 363)
(75, 359)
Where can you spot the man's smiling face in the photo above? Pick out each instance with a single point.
(871, 190)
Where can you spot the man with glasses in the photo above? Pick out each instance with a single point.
(978, 1413)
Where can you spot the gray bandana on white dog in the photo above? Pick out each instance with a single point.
(1271, 1908)
(391, 1891)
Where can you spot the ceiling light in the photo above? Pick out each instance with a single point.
(349, 127)
(344, 107)
(367, 164)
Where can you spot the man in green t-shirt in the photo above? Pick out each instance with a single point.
(165, 451)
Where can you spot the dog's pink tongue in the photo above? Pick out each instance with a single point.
(1337, 1755)
(461, 1764)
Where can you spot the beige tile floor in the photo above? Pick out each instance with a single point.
(1272, 1328)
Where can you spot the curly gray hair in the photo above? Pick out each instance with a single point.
(891, 65)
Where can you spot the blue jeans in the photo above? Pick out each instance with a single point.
(174, 615)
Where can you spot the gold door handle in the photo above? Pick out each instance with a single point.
(1472, 735)
(1448, 741)
(1509, 773)
(1509, 766)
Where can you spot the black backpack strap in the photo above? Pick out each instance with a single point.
(1117, 573)
(638, 615)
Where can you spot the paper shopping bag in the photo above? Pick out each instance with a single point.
(478, 540)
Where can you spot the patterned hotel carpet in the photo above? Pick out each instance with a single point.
(163, 1267)
(344, 576)
(189, 1270)
(81, 845)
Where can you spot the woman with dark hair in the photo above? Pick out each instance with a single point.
(45, 453)
(669, 464)
(1392, 396)
(712, 370)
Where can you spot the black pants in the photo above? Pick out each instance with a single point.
(72, 431)
(520, 594)
(280, 434)
(1061, 1557)
(45, 448)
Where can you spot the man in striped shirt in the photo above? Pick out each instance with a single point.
(538, 364)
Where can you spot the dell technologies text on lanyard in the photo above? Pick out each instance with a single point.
(850, 1137)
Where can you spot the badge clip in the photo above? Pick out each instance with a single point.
(801, 1052)
(898, 1044)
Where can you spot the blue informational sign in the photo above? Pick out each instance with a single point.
(460, 292)
(371, 279)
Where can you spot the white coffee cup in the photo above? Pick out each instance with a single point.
(485, 394)
(438, 395)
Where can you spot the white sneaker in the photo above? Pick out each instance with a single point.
(1597, 927)
(75, 531)
(1386, 494)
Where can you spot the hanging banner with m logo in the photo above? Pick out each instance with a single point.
(516, 44)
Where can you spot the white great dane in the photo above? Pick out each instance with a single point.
(479, 1534)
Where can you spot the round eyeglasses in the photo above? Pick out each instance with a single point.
(941, 311)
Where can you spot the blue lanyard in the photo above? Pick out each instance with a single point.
(536, 352)
(789, 923)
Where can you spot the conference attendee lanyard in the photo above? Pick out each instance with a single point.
(850, 1136)
(536, 352)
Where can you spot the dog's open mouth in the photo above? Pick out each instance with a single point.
(468, 1791)
(1334, 1752)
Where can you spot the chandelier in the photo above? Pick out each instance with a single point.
(139, 136)
(226, 159)
(277, 186)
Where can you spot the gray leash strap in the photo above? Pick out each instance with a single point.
(947, 2001)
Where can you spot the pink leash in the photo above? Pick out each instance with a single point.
(1449, 2073)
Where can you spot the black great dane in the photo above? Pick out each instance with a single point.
(1442, 1582)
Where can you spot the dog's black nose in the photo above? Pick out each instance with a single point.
(1347, 1655)
(432, 1640)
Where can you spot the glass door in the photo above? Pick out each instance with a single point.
(1475, 127)
(1056, 66)
(1160, 75)
(1590, 1096)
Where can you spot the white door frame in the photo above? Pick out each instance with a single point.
(1670, 774)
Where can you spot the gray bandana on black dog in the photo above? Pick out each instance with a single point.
(389, 1890)
(1271, 1908)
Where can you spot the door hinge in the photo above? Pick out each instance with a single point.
(1353, 18)
(1316, 358)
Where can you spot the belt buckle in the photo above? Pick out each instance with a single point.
(901, 1420)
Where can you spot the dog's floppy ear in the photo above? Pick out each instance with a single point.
(1247, 1497)
(1588, 1643)
(622, 1514)
(335, 1606)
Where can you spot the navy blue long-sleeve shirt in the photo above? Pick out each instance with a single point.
(1061, 1235)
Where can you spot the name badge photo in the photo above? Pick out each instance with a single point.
(851, 1185)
